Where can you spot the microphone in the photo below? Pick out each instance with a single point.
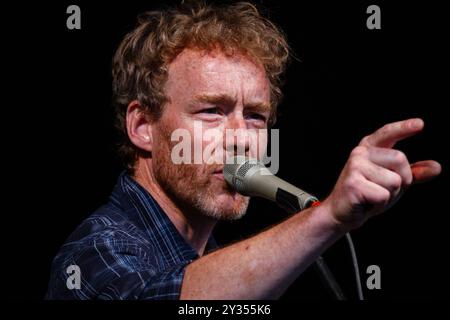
(251, 178)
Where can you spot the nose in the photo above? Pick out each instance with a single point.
(237, 138)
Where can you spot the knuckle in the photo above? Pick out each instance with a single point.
(354, 163)
(365, 141)
(396, 182)
(352, 183)
(349, 183)
(383, 197)
(400, 157)
(385, 129)
(360, 151)
(408, 180)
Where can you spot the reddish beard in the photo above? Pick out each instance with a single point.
(193, 187)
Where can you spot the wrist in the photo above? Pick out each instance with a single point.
(324, 212)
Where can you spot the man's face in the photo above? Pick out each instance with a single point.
(217, 94)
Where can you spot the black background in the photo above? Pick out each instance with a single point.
(58, 139)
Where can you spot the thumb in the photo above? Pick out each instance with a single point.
(425, 170)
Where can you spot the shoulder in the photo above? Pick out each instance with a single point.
(106, 231)
(104, 247)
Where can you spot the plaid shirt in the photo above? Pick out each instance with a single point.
(127, 249)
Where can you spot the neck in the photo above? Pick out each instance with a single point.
(194, 227)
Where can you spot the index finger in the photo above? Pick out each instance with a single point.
(388, 135)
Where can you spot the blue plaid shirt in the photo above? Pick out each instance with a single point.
(127, 249)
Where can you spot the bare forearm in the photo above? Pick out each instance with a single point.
(263, 266)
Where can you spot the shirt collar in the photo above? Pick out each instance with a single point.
(143, 211)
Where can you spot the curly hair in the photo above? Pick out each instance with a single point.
(140, 64)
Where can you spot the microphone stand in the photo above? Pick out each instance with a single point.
(320, 265)
(328, 279)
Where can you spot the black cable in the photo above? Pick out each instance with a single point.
(355, 266)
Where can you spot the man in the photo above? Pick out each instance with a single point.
(219, 67)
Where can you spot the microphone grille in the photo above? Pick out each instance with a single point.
(243, 169)
(235, 172)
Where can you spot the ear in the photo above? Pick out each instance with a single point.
(139, 128)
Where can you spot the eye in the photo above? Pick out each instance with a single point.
(256, 116)
(214, 110)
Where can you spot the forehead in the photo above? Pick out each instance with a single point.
(195, 71)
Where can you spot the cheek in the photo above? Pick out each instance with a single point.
(162, 136)
(258, 143)
(213, 146)
(262, 146)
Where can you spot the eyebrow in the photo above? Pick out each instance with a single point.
(221, 98)
(226, 99)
